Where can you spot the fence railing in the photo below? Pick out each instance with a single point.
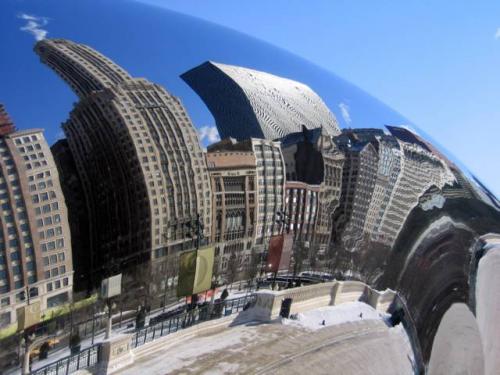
(190, 318)
(91, 356)
(84, 359)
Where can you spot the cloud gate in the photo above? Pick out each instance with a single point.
(406, 216)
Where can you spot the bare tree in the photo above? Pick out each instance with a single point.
(300, 252)
(252, 268)
(232, 268)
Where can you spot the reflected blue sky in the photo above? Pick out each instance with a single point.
(160, 45)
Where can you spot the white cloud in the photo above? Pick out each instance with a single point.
(34, 25)
(344, 110)
(497, 34)
(208, 133)
(60, 135)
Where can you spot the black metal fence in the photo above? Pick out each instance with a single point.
(86, 358)
(91, 356)
(190, 318)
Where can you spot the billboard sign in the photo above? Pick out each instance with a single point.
(274, 255)
(28, 315)
(111, 286)
(204, 268)
(195, 271)
(286, 253)
(280, 251)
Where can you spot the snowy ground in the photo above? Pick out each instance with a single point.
(346, 344)
(332, 315)
(55, 355)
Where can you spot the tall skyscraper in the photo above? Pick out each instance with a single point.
(138, 156)
(35, 242)
(77, 213)
(248, 103)
(358, 182)
(233, 175)
(269, 185)
(312, 158)
(6, 124)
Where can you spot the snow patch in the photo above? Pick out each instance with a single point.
(333, 315)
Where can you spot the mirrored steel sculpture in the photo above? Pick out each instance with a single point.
(390, 207)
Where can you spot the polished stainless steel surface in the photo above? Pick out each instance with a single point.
(409, 216)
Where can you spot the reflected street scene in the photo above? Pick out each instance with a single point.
(308, 228)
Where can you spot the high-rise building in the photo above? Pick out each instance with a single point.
(301, 208)
(77, 213)
(313, 159)
(6, 124)
(248, 103)
(234, 201)
(420, 169)
(269, 185)
(358, 182)
(138, 156)
(35, 242)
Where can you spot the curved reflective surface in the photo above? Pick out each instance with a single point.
(400, 213)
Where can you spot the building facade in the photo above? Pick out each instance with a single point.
(233, 178)
(77, 213)
(249, 186)
(143, 172)
(358, 182)
(270, 190)
(314, 162)
(301, 207)
(35, 241)
(6, 124)
(269, 106)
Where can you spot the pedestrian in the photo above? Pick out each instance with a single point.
(323, 323)
(361, 315)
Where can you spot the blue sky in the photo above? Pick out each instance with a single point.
(435, 62)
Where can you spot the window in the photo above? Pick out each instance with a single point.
(57, 300)
(49, 287)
